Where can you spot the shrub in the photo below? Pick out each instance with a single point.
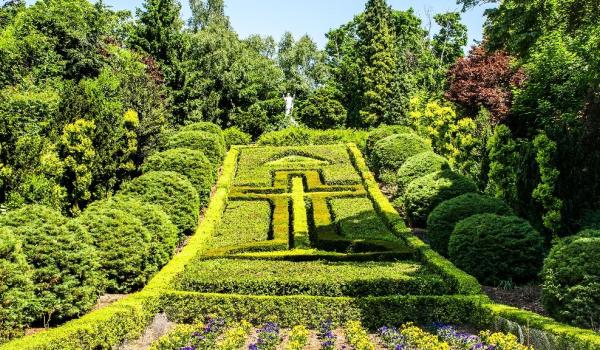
(444, 217)
(190, 163)
(304, 137)
(163, 232)
(590, 220)
(425, 193)
(171, 191)
(390, 153)
(236, 137)
(417, 166)
(496, 248)
(124, 246)
(571, 274)
(16, 287)
(213, 146)
(208, 127)
(66, 274)
(321, 110)
(383, 132)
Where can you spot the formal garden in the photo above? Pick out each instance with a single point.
(170, 186)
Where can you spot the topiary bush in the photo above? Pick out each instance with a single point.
(124, 246)
(496, 248)
(235, 137)
(571, 274)
(322, 110)
(427, 192)
(444, 217)
(172, 192)
(16, 287)
(66, 270)
(383, 132)
(190, 163)
(209, 127)
(164, 234)
(212, 145)
(390, 153)
(417, 166)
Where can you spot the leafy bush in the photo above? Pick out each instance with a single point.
(427, 192)
(236, 137)
(163, 233)
(571, 276)
(16, 287)
(171, 191)
(590, 220)
(390, 153)
(66, 274)
(444, 217)
(321, 110)
(383, 132)
(496, 248)
(213, 146)
(417, 166)
(190, 163)
(298, 136)
(208, 127)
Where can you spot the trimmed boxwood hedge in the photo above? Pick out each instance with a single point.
(382, 132)
(172, 192)
(235, 137)
(417, 166)
(212, 145)
(571, 276)
(66, 274)
(427, 192)
(190, 163)
(209, 127)
(444, 217)
(496, 248)
(391, 152)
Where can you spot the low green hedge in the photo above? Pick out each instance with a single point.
(299, 136)
(212, 145)
(243, 222)
(417, 166)
(383, 132)
(357, 219)
(390, 153)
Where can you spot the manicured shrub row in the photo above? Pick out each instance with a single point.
(418, 166)
(305, 137)
(243, 222)
(390, 153)
(299, 218)
(357, 219)
(263, 277)
(212, 145)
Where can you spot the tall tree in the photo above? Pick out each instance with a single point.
(377, 41)
(302, 63)
(206, 11)
(449, 42)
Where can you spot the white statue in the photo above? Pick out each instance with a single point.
(289, 104)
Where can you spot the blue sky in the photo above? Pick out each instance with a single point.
(314, 17)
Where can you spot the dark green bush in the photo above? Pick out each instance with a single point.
(164, 234)
(571, 276)
(212, 145)
(417, 166)
(172, 192)
(209, 127)
(496, 248)
(235, 137)
(383, 132)
(190, 163)
(16, 287)
(590, 220)
(444, 217)
(390, 153)
(66, 269)
(124, 246)
(321, 110)
(427, 192)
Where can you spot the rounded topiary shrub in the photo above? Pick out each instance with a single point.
(16, 287)
(164, 234)
(390, 153)
(172, 192)
(209, 127)
(427, 192)
(382, 132)
(124, 246)
(417, 166)
(192, 164)
(235, 137)
(322, 110)
(444, 217)
(571, 274)
(66, 269)
(212, 145)
(496, 248)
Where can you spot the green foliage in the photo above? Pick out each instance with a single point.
(357, 219)
(572, 280)
(591, 220)
(243, 222)
(208, 127)
(173, 192)
(303, 137)
(544, 192)
(496, 248)
(444, 217)
(66, 275)
(449, 42)
(503, 158)
(382, 132)
(425, 193)
(390, 153)
(417, 166)
(235, 137)
(322, 110)
(190, 163)
(212, 145)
